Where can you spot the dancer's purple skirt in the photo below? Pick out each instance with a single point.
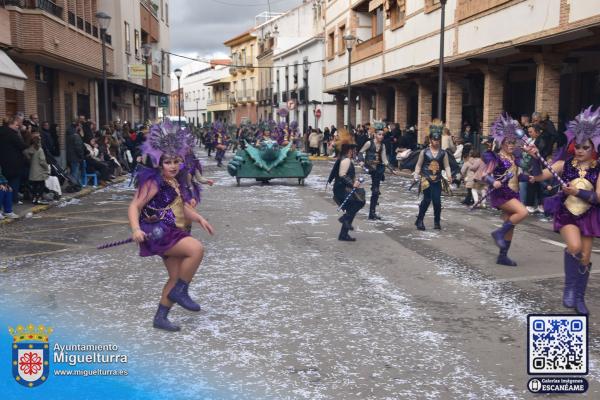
(158, 247)
(588, 222)
(502, 195)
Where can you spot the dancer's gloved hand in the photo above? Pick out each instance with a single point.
(531, 149)
(570, 190)
(356, 184)
(138, 235)
(497, 184)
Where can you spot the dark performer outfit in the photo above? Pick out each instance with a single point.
(344, 173)
(429, 170)
(376, 161)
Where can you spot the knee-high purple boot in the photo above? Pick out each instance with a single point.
(499, 233)
(572, 265)
(179, 294)
(503, 258)
(580, 286)
(162, 322)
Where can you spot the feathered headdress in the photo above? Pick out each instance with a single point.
(167, 139)
(436, 129)
(505, 128)
(585, 126)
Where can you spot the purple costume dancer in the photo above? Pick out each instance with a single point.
(502, 174)
(577, 209)
(162, 202)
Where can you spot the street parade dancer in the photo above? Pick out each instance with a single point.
(429, 171)
(502, 175)
(347, 193)
(220, 143)
(576, 210)
(161, 204)
(375, 162)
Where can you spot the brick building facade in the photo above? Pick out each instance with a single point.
(517, 56)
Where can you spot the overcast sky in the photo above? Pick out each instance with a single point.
(199, 27)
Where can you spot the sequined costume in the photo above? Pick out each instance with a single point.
(574, 211)
(510, 188)
(165, 209)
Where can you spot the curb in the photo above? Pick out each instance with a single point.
(82, 193)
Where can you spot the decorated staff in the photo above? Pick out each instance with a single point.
(577, 208)
(483, 198)
(428, 172)
(155, 234)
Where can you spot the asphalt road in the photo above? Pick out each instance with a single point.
(289, 312)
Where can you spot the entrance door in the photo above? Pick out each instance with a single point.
(69, 109)
(83, 105)
(44, 86)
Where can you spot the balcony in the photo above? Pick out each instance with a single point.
(45, 5)
(218, 104)
(233, 71)
(57, 40)
(368, 48)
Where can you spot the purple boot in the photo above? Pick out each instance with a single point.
(162, 322)
(580, 286)
(503, 258)
(499, 233)
(179, 294)
(572, 265)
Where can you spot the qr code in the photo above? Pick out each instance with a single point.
(557, 344)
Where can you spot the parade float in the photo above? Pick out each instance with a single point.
(274, 155)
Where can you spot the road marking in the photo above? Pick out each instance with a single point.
(42, 242)
(119, 221)
(63, 214)
(313, 237)
(559, 244)
(535, 277)
(64, 228)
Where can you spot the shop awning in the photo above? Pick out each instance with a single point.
(11, 76)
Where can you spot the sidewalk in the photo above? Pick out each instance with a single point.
(22, 210)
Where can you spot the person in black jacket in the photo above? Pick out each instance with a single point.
(75, 150)
(12, 160)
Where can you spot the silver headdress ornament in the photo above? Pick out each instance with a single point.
(506, 128)
(167, 139)
(585, 126)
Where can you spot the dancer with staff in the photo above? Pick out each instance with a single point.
(504, 193)
(161, 204)
(576, 209)
(347, 192)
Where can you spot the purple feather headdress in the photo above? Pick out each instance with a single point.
(167, 139)
(585, 126)
(505, 128)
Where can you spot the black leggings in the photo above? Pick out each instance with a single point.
(37, 188)
(432, 194)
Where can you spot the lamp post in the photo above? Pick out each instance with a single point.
(147, 52)
(350, 40)
(178, 75)
(441, 72)
(306, 66)
(197, 111)
(104, 21)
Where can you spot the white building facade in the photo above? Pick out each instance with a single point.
(196, 95)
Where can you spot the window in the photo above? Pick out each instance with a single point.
(378, 21)
(397, 14)
(127, 39)
(330, 44)
(137, 43)
(341, 44)
(167, 13)
(162, 10)
(251, 54)
(295, 74)
(243, 56)
(163, 62)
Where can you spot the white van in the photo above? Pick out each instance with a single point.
(175, 119)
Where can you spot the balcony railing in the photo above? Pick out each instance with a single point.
(45, 5)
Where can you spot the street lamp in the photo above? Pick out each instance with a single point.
(178, 75)
(147, 52)
(306, 66)
(350, 40)
(441, 73)
(197, 111)
(104, 21)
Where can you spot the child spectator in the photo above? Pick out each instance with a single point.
(38, 169)
(474, 188)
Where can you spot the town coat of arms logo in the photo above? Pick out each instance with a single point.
(30, 354)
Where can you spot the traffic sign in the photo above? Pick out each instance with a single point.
(318, 113)
(291, 104)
